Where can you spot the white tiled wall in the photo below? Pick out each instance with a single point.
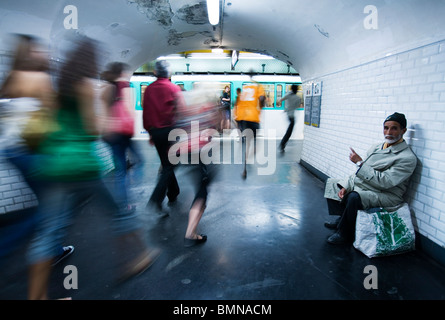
(14, 192)
(5, 64)
(356, 101)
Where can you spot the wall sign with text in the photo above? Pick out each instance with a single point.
(307, 87)
(316, 104)
(312, 103)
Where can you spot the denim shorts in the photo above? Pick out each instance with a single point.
(56, 212)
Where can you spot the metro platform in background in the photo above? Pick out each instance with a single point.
(266, 241)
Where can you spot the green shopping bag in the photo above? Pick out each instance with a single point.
(380, 232)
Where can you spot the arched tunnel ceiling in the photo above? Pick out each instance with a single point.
(314, 36)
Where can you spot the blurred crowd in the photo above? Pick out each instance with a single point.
(53, 121)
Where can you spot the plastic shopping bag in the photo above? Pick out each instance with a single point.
(381, 233)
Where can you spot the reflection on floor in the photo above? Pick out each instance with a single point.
(266, 240)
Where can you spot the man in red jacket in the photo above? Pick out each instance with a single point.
(158, 116)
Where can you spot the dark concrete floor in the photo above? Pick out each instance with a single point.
(266, 241)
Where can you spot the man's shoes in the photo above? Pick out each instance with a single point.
(337, 238)
(67, 251)
(331, 225)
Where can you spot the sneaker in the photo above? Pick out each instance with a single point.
(68, 250)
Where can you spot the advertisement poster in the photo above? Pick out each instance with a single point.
(316, 104)
(307, 103)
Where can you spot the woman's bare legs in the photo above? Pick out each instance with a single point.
(195, 215)
(39, 274)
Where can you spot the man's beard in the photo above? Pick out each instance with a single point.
(391, 139)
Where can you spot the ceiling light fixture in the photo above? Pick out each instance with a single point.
(217, 51)
(254, 56)
(208, 56)
(213, 11)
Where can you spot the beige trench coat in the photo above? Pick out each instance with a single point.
(382, 179)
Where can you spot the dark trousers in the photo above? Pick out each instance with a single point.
(254, 126)
(347, 210)
(288, 133)
(167, 183)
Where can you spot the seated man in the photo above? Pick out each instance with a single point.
(380, 181)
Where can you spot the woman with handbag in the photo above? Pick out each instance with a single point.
(26, 113)
(117, 98)
(70, 166)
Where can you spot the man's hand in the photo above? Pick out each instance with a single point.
(342, 193)
(354, 157)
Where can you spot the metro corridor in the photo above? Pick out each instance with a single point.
(266, 241)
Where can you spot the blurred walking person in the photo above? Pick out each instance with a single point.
(159, 104)
(29, 88)
(293, 100)
(199, 116)
(119, 129)
(26, 92)
(251, 102)
(69, 166)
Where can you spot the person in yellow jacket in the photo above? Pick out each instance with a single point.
(248, 111)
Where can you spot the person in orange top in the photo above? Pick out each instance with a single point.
(248, 111)
(250, 103)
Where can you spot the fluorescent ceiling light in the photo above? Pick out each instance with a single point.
(205, 56)
(171, 57)
(254, 56)
(213, 11)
